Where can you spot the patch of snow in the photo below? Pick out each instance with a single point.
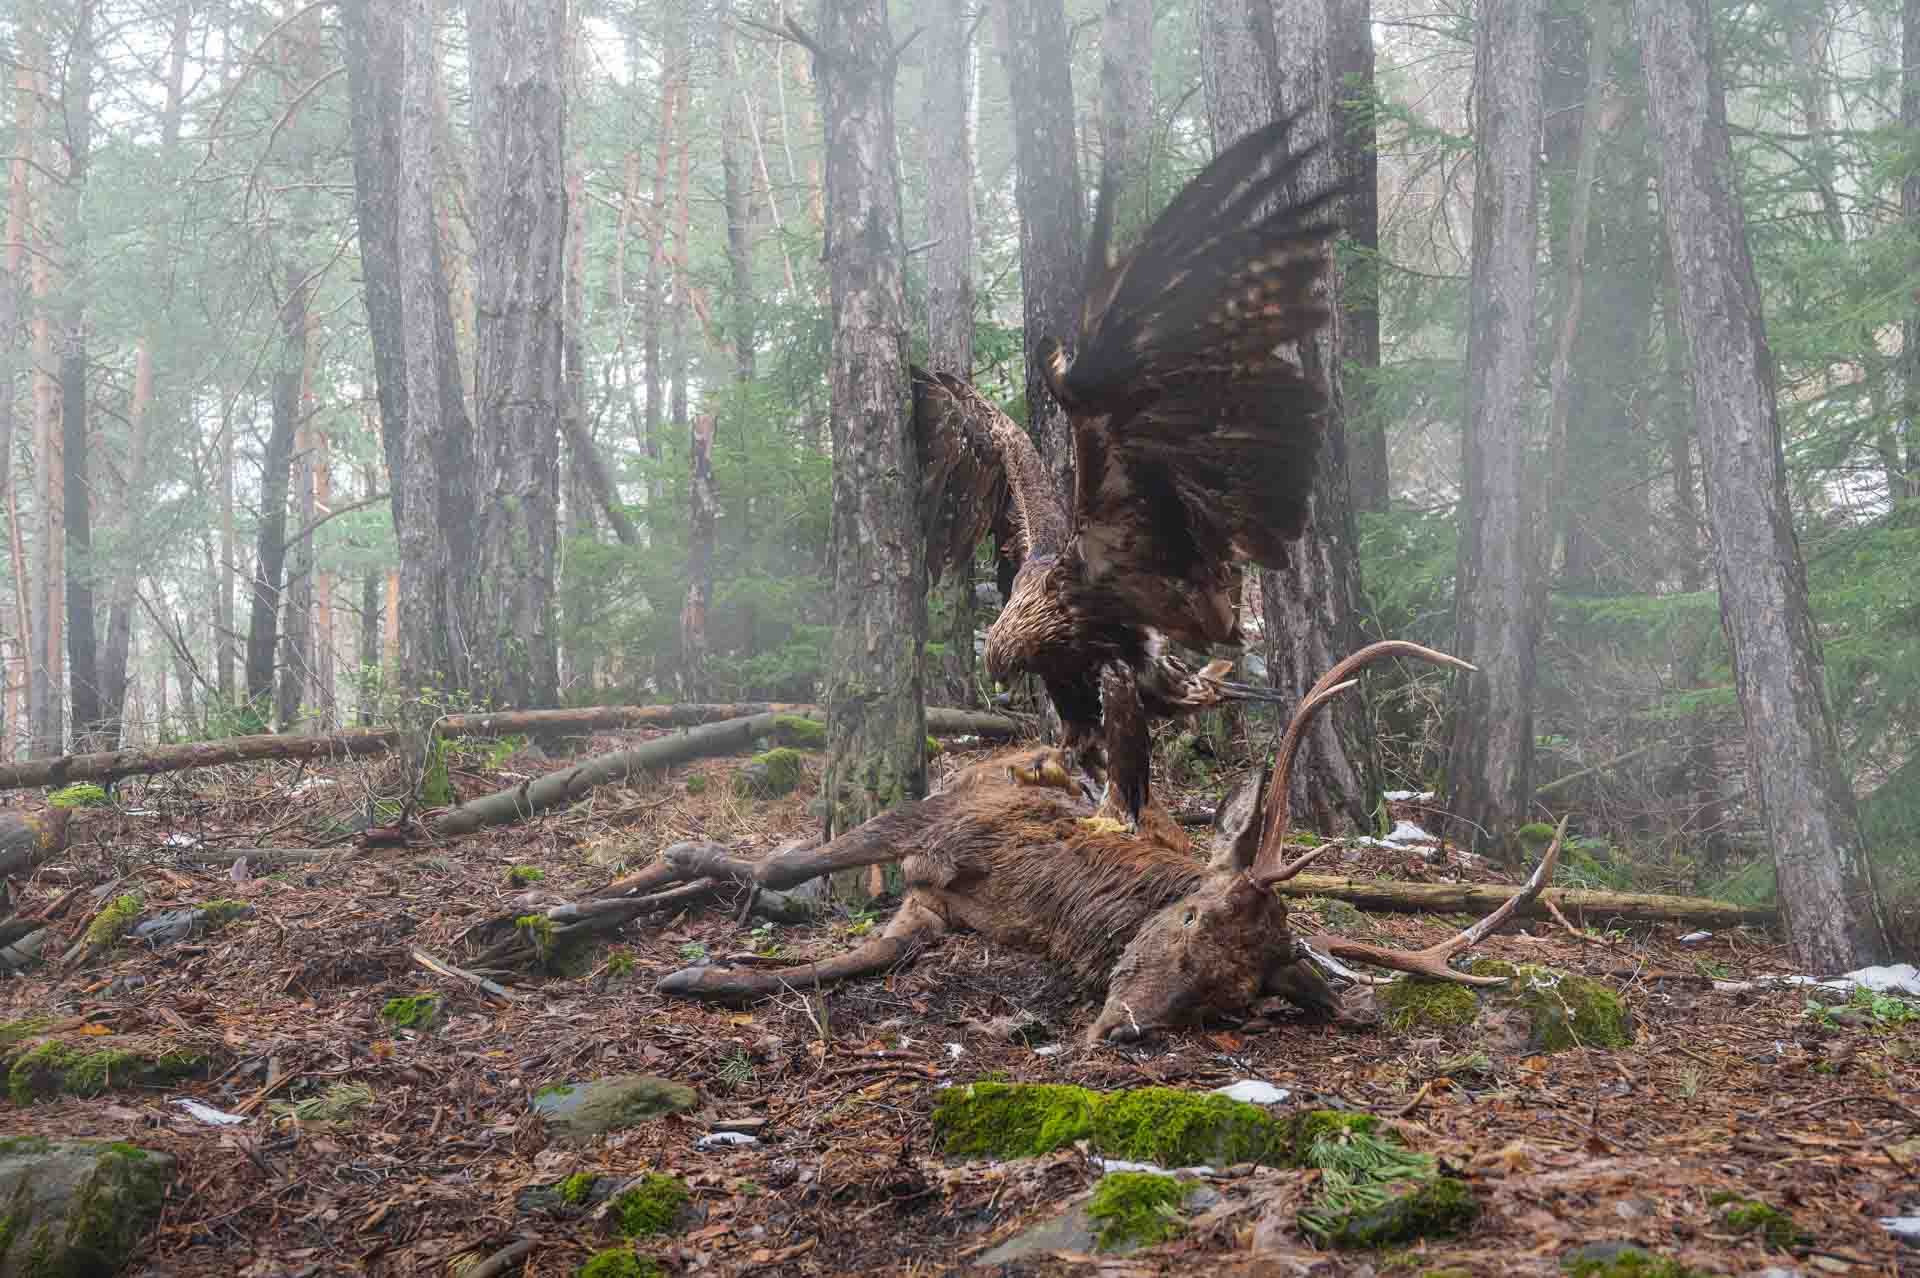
(1902, 1226)
(1253, 1091)
(207, 1113)
(1051, 1049)
(1694, 938)
(309, 784)
(1898, 978)
(1401, 796)
(179, 840)
(956, 1051)
(1128, 1165)
(1408, 832)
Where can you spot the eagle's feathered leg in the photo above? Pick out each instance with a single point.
(1129, 751)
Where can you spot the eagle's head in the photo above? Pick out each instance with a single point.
(1031, 619)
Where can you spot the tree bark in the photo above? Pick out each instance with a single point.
(738, 184)
(517, 52)
(1906, 483)
(12, 282)
(1311, 603)
(1490, 752)
(876, 722)
(950, 285)
(1038, 55)
(1833, 914)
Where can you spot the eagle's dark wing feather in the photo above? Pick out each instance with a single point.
(1195, 440)
(978, 473)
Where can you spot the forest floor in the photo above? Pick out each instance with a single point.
(1741, 1092)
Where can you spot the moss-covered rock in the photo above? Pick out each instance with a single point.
(1135, 1209)
(584, 1110)
(112, 922)
(655, 1204)
(522, 875)
(770, 775)
(799, 732)
(76, 1207)
(1413, 1003)
(1435, 1207)
(26, 1027)
(1173, 1128)
(54, 1067)
(575, 1188)
(619, 1262)
(1564, 1010)
(419, 1012)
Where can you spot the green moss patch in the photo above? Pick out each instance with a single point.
(411, 1011)
(619, 1262)
(770, 775)
(1173, 1128)
(217, 914)
(83, 794)
(1012, 1120)
(55, 1067)
(1135, 1209)
(653, 1205)
(1748, 1216)
(1623, 1260)
(1411, 1003)
(522, 875)
(113, 921)
(1565, 1010)
(80, 1206)
(799, 732)
(575, 1188)
(19, 1031)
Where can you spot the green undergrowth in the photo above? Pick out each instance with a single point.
(619, 1262)
(81, 794)
(1627, 1262)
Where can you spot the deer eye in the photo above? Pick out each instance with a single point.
(1190, 916)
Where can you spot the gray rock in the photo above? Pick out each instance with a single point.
(584, 1110)
(178, 925)
(76, 1207)
(1072, 1231)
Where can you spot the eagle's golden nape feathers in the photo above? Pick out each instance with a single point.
(1052, 359)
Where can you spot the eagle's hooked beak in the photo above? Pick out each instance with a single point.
(1052, 358)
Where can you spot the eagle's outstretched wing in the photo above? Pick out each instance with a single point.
(978, 473)
(1195, 437)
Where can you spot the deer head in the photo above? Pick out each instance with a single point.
(1227, 944)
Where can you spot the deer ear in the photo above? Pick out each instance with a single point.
(1236, 826)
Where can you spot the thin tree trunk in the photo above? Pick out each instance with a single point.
(1034, 45)
(517, 52)
(1905, 483)
(270, 537)
(1126, 106)
(701, 510)
(876, 722)
(83, 653)
(26, 115)
(1833, 914)
(652, 312)
(1350, 52)
(1490, 753)
(950, 284)
(49, 448)
(737, 182)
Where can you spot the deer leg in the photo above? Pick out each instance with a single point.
(1432, 961)
(874, 843)
(914, 926)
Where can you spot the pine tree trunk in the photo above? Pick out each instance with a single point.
(1490, 753)
(77, 132)
(1350, 52)
(423, 423)
(12, 283)
(1905, 483)
(517, 52)
(1833, 915)
(950, 287)
(270, 537)
(876, 724)
(1038, 55)
(1126, 107)
(733, 167)
(701, 512)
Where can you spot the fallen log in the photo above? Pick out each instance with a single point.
(1478, 898)
(112, 765)
(556, 789)
(28, 838)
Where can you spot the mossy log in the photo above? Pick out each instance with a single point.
(28, 838)
(1579, 905)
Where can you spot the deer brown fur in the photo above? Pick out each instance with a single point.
(1007, 851)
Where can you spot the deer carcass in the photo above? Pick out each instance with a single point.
(1007, 851)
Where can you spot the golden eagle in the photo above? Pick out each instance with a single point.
(1194, 443)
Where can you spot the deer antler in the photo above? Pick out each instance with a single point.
(1326, 688)
(1432, 961)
